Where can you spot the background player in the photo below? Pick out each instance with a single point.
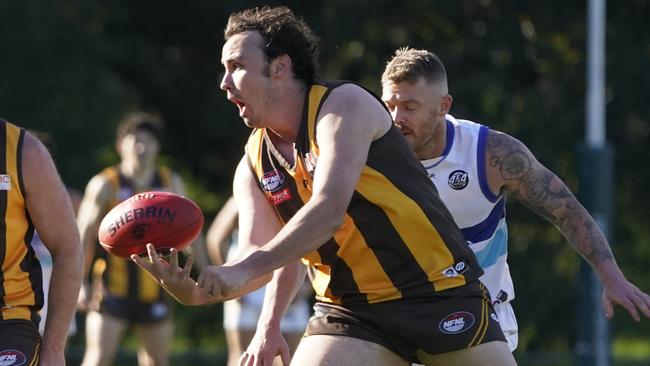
(122, 294)
(240, 315)
(474, 167)
(33, 197)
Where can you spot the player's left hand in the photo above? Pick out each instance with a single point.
(628, 296)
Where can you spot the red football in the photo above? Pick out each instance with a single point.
(165, 219)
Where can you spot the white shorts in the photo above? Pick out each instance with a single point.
(508, 323)
(244, 312)
(45, 259)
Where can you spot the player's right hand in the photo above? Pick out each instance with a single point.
(173, 278)
(265, 345)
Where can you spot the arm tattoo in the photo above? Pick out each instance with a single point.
(545, 194)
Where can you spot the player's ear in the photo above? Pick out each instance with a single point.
(280, 65)
(445, 103)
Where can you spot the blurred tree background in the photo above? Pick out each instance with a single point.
(73, 67)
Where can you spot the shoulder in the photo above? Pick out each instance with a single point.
(349, 93)
(33, 151)
(499, 144)
(508, 159)
(352, 102)
(99, 188)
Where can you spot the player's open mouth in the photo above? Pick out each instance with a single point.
(241, 105)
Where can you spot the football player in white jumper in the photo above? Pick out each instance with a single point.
(473, 167)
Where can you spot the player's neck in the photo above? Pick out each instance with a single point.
(284, 125)
(436, 145)
(139, 174)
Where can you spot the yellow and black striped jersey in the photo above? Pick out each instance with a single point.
(122, 278)
(397, 239)
(21, 279)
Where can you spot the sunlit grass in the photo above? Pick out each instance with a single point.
(632, 348)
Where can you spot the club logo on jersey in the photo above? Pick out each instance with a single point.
(280, 196)
(272, 181)
(11, 357)
(5, 183)
(455, 270)
(457, 322)
(458, 179)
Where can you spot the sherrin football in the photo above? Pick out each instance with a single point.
(165, 219)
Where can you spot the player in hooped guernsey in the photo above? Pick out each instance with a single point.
(459, 176)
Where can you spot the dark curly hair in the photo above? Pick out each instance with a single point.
(136, 121)
(283, 33)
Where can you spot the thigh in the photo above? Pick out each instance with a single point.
(155, 339)
(330, 350)
(494, 353)
(19, 342)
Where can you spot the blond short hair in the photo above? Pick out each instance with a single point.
(410, 65)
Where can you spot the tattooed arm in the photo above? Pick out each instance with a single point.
(511, 167)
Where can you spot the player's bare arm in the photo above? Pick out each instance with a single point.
(344, 133)
(512, 167)
(348, 122)
(51, 212)
(220, 231)
(268, 341)
(91, 211)
(92, 208)
(198, 247)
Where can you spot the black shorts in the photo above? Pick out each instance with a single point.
(446, 321)
(19, 342)
(135, 311)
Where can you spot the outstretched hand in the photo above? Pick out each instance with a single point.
(265, 345)
(629, 297)
(173, 278)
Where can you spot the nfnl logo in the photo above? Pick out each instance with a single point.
(458, 179)
(457, 322)
(272, 181)
(11, 357)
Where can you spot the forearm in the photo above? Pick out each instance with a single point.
(310, 228)
(584, 235)
(280, 292)
(62, 298)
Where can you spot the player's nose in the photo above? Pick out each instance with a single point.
(226, 82)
